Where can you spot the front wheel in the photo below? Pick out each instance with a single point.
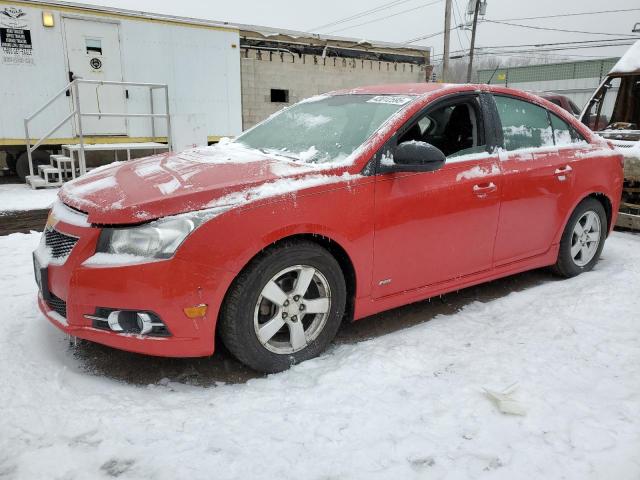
(284, 308)
(583, 239)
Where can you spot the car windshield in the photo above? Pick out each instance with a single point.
(323, 129)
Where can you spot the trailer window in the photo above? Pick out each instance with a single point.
(94, 46)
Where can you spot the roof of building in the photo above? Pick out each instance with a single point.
(247, 31)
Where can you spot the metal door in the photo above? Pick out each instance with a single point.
(93, 53)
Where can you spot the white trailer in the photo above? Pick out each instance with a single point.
(45, 45)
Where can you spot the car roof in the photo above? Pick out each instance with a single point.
(429, 88)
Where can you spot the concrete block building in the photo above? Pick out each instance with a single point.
(282, 67)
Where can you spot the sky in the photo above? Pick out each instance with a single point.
(403, 20)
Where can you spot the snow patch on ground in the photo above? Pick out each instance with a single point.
(411, 404)
(16, 197)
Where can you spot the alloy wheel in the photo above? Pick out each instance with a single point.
(292, 309)
(585, 238)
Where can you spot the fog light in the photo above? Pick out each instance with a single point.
(128, 321)
(196, 311)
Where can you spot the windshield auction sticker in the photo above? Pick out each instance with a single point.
(390, 99)
(15, 37)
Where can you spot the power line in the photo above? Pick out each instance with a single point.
(362, 14)
(529, 56)
(425, 37)
(558, 29)
(575, 42)
(386, 17)
(562, 43)
(483, 50)
(568, 15)
(461, 20)
(458, 24)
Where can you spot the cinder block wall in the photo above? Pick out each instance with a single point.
(307, 75)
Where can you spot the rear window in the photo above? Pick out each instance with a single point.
(563, 133)
(524, 125)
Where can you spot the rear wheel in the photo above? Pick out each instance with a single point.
(40, 157)
(583, 239)
(11, 161)
(285, 307)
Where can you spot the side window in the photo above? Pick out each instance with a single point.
(524, 125)
(563, 133)
(456, 129)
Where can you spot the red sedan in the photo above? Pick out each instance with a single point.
(340, 206)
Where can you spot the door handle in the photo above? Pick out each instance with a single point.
(562, 173)
(564, 170)
(483, 189)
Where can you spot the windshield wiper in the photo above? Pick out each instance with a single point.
(273, 152)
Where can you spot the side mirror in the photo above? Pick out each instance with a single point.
(414, 156)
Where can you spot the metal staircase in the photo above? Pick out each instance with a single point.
(59, 170)
(72, 161)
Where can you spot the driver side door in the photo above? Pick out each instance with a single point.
(433, 227)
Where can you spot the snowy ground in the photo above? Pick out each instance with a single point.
(409, 404)
(14, 196)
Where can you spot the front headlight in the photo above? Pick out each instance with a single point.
(155, 240)
(158, 239)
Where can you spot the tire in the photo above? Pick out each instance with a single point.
(247, 308)
(40, 157)
(11, 161)
(570, 263)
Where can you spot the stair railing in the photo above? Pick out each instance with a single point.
(79, 114)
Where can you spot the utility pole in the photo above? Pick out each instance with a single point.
(447, 32)
(473, 40)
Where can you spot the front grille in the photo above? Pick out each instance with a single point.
(60, 244)
(57, 305)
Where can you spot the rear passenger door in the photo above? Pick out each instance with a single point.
(537, 178)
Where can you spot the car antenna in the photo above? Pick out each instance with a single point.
(494, 72)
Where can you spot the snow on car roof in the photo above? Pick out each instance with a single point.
(630, 61)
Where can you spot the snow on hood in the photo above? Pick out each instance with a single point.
(630, 61)
(226, 174)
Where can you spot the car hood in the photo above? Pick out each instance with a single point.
(153, 187)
